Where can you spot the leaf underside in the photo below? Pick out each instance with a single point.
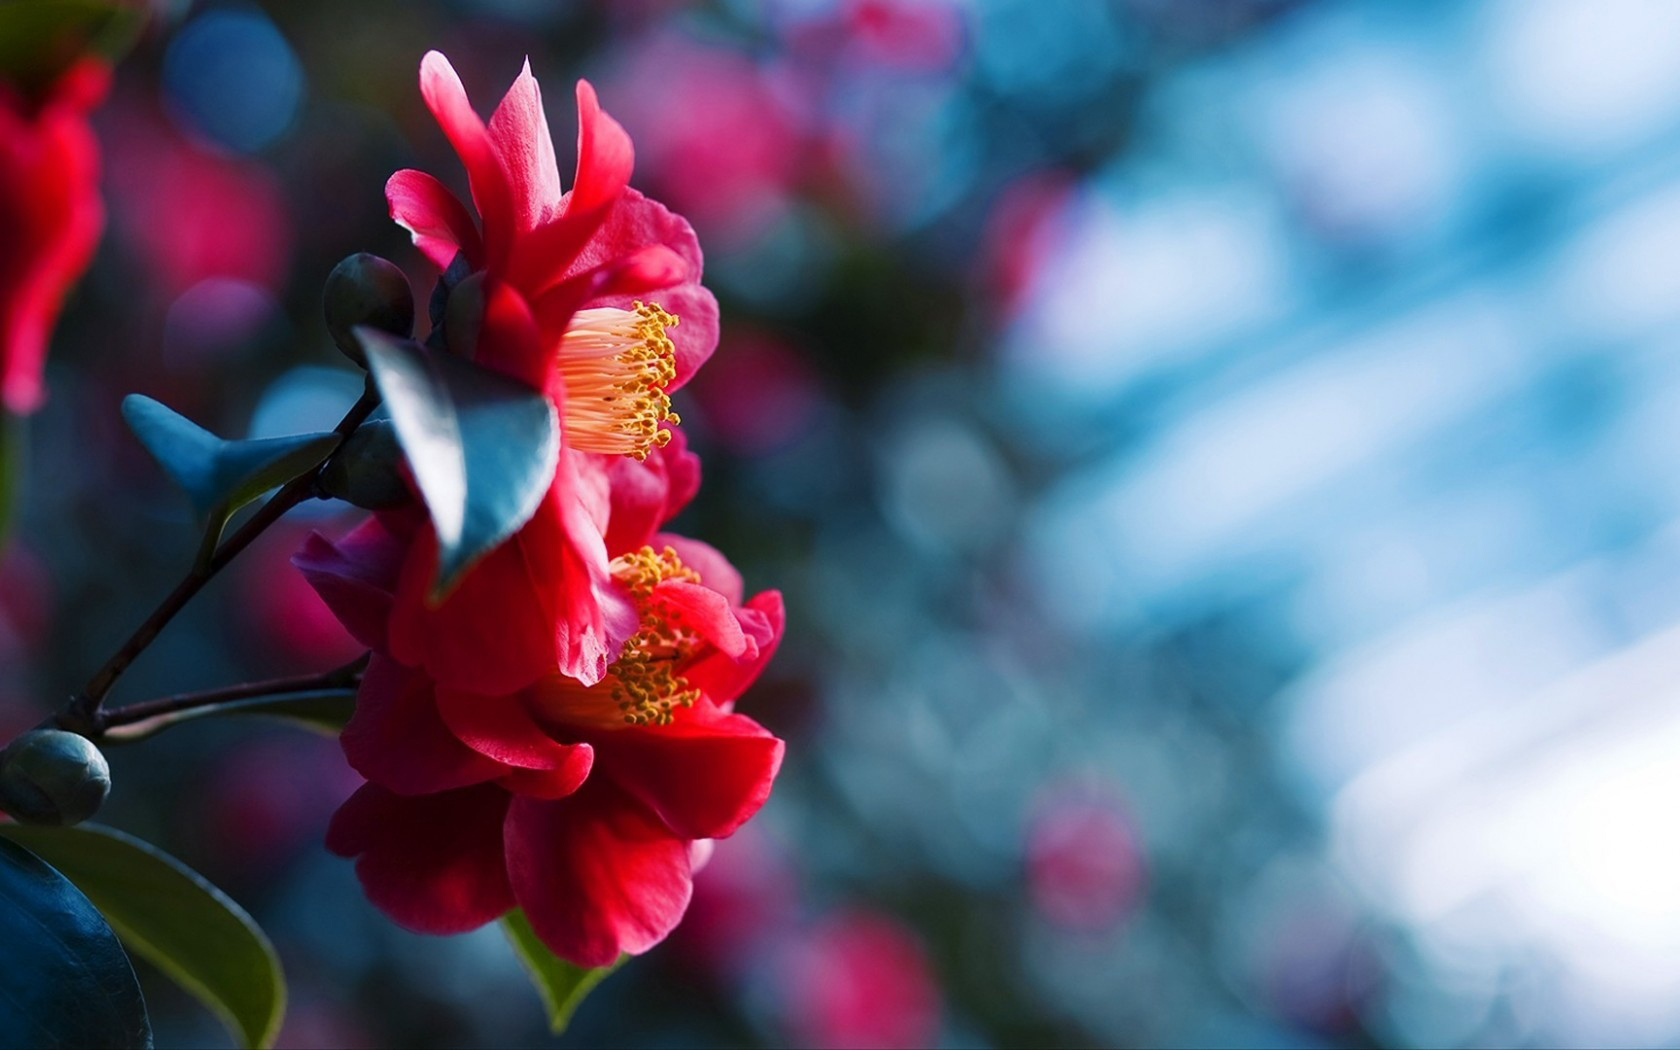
(483, 447)
(67, 981)
(175, 919)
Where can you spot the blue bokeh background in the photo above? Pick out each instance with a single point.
(1222, 458)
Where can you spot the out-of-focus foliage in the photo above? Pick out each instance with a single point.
(1218, 455)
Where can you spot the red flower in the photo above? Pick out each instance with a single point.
(52, 215)
(579, 804)
(592, 296)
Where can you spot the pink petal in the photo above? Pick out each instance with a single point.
(447, 100)
(704, 774)
(723, 679)
(646, 494)
(508, 340)
(356, 576)
(438, 222)
(605, 156)
(707, 613)
(605, 159)
(634, 224)
(52, 214)
(501, 728)
(715, 570)
(433, 863)
(397, 739)
(493, 633)
(596, 874)
(519, 131)
(597, 616)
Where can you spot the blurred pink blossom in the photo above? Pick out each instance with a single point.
(712, 137)
(758, 395)
(746, 896)
(860, 979)
(189, 213)
(1085, 868)
(282, 612)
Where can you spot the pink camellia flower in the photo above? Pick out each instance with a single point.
(591, 295)
(719, 141)
(860, 979)
(1085, 865)
(52, 217)
(580, 803)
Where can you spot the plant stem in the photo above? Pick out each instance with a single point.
(83, 714)
(339, 677)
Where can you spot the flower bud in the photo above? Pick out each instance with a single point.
(48, 776)
(464, 316)
(367, 469)
(365, 289)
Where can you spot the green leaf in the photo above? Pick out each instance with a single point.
(221, 476)
(172, 917)
(67, 982)
(39, 39)
(561, 984)
(483, 447)
(322, 710)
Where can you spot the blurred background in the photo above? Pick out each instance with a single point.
(1222, 458)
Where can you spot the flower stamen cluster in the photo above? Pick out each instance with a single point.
(644, 681)
(617, 365)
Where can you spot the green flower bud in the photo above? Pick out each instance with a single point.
(365, 289)
(367, 469)
(464, 316)
(48, 776)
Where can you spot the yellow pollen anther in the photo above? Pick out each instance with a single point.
(616, 365)
(644, 683)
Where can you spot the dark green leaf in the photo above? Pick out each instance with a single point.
(172, 917)
(323, 710)
(561, 984)
(483, 447)
(221, 476)
(39, 39)
(67, 982)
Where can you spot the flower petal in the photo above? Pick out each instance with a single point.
(433, 863)
(52, 213)
(646, 494)
(493, 633)
(596, 874)
(543, 602)
(447, 99)
(605, 156)
(509, 342)
(605, 159)
(597, 616)
(704, 774)
(519, 131)
(437, 221)
(723, 679)
(706, 612)
(397, 739)
(356, 575)
(634, 224)
(705, 559)
(501, 728)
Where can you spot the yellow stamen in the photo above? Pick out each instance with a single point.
(616, 365)
(645, 685)
(642, 687)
